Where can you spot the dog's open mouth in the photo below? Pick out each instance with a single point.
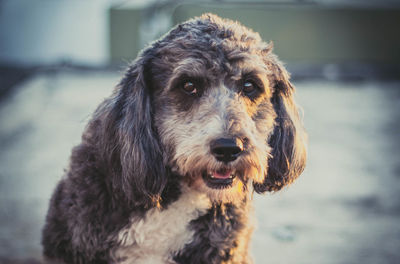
(219, 179)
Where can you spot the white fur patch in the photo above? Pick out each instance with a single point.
(153, 238)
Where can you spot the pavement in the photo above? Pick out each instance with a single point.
(344, 209)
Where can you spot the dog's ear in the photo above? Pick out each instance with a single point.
(288, 139)
(130, 144)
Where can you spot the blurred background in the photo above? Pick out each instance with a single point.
(59, 59)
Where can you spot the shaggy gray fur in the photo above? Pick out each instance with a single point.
(151, 136)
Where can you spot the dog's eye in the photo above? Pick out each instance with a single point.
(249, 87)
(189, 88)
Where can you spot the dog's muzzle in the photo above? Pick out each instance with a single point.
(226, 149)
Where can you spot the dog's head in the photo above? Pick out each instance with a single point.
(211, 103)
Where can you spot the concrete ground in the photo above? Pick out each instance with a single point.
(344, 209)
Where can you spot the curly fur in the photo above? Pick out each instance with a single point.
(135, 190)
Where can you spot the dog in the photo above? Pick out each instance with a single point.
(168, 164)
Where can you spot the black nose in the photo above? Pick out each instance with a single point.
(226, 149)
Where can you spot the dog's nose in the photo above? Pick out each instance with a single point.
(226, 149)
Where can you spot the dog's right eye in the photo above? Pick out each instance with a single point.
(189, 88)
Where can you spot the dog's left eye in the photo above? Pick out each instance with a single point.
(249, 87)
(189, 88)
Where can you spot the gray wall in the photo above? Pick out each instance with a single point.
(36, 32)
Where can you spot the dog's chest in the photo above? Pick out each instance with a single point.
(160, 233)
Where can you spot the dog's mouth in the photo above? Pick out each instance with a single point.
(219, 179)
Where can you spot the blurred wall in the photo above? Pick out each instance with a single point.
(316, 34)
(134, 24)
(40, 32)
(96, 32)
(307, 33)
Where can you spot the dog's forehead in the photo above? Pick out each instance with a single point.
(220, 69)
(217, 49)
(221, 52)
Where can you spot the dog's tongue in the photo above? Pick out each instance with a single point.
(223, 174)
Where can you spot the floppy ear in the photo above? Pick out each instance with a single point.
(288, 139)
(129, 143)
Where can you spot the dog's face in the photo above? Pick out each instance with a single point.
(216, 108)
(215, 121)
